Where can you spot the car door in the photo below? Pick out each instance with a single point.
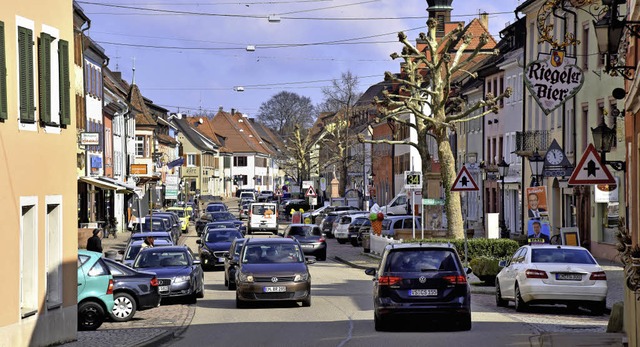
(82, 282)
(507, 280)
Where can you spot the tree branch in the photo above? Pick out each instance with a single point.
(490, 102)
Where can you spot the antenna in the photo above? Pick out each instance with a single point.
(133, 78)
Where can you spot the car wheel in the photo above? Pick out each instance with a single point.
(379, 323)
(500, 302)
(598, 308)
(465, 322)
(342, 241)
(200, 293)
(124, 307)
(307, 302)
(90, 315)
(521, 306)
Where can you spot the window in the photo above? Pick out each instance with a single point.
(3, 77)
(240, 161)
(54, 251)
(108, 152)
(585, 46)
(28, 256)
(25, 75)
(140, 146)
(44, 76)
(191, 160)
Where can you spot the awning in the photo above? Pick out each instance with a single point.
(122, 187)
(94, 181)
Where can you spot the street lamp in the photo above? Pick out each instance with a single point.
(536, 163)
(503, 169)
(603, 139)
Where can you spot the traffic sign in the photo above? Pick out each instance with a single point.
(323, 184)
(412, 180)
(278, 192)
(311, 192)
(590, 170)
(464, 182)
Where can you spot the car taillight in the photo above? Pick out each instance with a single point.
(389, 280)
(455, 279)
(597, 276)
(321, 239)
(110, 287)
(154, 282)
(530, 273)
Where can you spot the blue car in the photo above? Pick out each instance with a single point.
(234, 223)
(179, 273)
(214, 244)
(134, 247)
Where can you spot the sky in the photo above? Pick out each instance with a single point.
(192, 57)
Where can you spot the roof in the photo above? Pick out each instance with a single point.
(138, 108)
(166, 139)
(197, 139)
(241, 137)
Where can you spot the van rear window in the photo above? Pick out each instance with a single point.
(421, 260)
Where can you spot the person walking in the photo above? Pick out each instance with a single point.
(94, 243)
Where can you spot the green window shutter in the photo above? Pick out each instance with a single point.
(65, 84)
(3, 76)
(44, 65)
(25, 67)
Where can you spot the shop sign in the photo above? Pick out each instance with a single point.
(138, 169)
(191, 171)
(172, 187)
(90, 139)
(606, 192)
(553, 79)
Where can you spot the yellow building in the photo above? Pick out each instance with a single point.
(37, 173)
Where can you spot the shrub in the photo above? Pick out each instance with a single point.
(494, 248)
(485, 268)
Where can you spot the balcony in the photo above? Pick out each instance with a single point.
(528, 141)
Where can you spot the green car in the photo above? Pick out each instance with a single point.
(95, 290)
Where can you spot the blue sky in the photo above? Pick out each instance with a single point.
(194, 60)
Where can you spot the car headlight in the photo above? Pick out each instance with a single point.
(245, 277)
(180, 279)
(301, 277)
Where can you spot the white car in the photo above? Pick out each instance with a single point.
(341, 232)
(263, 216)
(551, 274)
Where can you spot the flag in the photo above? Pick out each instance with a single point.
(177, 162)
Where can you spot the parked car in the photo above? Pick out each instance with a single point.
(211, 217)
(243, 190)
(133, 291)
(179, 273)
(310, 238)
(228, 224)
(420, 281)
(341, 231)
(272, 269)
(354, 229)
(391, 224)
(264, 196)
(95, 290)
(216, 207)
(296, 205)
(185, 216)
(231, 263)
(247, 196)
(364, 228)
(214, 243)
(318, 214)
(552, 274)
(135, 245)
(174, 222)
(263, 216)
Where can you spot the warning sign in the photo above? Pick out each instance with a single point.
(590, 170)
(311, 192)
(464, 182)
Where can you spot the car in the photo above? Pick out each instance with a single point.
(263, 216)
(336, 222)
(354, 229)
(552, 274)
(174, 222)
(391, 224)
(327, 222)
(364, 228)
(214, 243)
(231, 263)
(179, 273)
(310, 238)
(296, 205)
(211, 217)
(157, 235)
(132, 291)
(420, 281)
(243, 210)
(95, 290)
(264, 196)
(135, 245)
(159, 224)
(247, 196)
(341, 231)
(216, 207)
(318, 214)
(272, 269)
(185, 216)
(243, 190)
(235, 223)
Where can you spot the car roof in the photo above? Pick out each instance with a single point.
(150, 233)
(89, 253)
(414, 245)
(270, 240)
(222, 230)
(545, 246)
(167, 248)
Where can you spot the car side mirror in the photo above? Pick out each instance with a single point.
(199, 242)
(502, 263)
(370, 271)
(196, 262)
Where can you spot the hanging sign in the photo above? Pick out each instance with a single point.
(553, 79)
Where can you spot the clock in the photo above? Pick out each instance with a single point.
(555, 156)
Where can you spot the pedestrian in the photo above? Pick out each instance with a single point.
(94, 243)
(148, 242)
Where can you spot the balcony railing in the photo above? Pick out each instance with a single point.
(528, 141)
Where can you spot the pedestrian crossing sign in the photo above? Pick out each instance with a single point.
(464, 182)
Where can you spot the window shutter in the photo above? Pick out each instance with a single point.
(44, 65)
(197, 159)
(25, 57)
(65, 83)
(3, 76)
(184, 163)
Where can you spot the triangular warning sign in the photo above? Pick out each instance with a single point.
(311, 192)
(464, 182)
(278, 192)
(590, 170)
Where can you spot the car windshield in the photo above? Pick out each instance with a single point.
(160, 258)
(226, 236)
(179, 212)
(304, 231)
(555, 255)
(222, 216)
(221, 225)
(215, 208)
(155, 224)
(421, 260)
(262, 209)
(272, 253)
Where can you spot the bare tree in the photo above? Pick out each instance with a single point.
(295, 160)
(284, 110)
(424, 90)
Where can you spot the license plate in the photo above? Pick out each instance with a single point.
(307, 246)
(221, 260)
(278, 289)
(569, 277)
(163, 288)
(423, 292)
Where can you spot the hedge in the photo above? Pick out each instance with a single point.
(477, 247)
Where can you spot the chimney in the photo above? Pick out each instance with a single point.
(484, 19)
(233, 111)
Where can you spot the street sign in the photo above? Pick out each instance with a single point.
(323, 184)
(306, 184)
(412, 180)
(590, 170)
(464, 182)
(433, 202)
(311, 192)
(278, 192)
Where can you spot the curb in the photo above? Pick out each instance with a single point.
(157, 340)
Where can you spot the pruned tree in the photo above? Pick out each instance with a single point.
(424, 89)
(340, 100)
(285, 110)
(295, 159)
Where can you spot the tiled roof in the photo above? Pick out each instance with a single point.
(166, 139)
(267, 135)
(199, 140)
(241, 137)
(139, 109)
(207, 129)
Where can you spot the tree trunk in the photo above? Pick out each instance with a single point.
(448, 173)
